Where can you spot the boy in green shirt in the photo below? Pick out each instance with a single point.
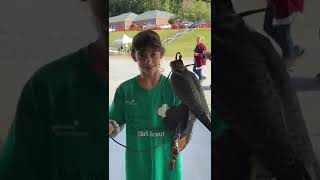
(59, 129)
(141, 103)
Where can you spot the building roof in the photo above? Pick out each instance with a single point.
(130, 16)
(153, 15)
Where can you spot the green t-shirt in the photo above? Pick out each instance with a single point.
(59, 129)
(141, 110)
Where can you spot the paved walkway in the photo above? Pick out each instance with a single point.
(177, 35)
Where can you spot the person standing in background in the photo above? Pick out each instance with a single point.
(279, 17)
(199, 60)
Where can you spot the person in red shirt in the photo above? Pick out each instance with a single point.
(277, 23)
(199, 60)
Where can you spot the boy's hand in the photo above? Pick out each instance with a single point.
(111, 128)
(183, 142)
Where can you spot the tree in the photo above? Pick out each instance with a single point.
(117, 7)
(136, 6)
(165, 5)
(195, 11)
(175, 6)
(190, 9)
(172, 21)
(152, 5)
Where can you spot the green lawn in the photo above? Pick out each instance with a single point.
(185, 45)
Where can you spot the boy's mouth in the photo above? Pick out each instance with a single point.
(148, 67)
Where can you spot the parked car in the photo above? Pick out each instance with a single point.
(200, 24)
(187, 24)
(154, 28)
(178, 26)
(148, 26)
(165, 26)
(111, 29)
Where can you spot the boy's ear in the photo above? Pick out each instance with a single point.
(162, 51)
(133, 56)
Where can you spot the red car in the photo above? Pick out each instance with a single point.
(178, 26)
(201, 25)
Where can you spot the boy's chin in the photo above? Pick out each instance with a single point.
(150, 69)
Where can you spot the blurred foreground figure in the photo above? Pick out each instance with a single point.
(254, 97)
(59, 128)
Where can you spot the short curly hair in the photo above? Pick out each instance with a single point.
(145, 39)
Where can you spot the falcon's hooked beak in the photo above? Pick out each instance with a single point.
(180, 56)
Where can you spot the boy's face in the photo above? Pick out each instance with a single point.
(148, 60)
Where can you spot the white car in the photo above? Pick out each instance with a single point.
(147, 26)
(165, 26)
(111, 29)
(187, 24)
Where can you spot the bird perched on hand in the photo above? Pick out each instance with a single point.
(187, 87)
(180, 119)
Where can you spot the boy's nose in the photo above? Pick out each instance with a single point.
(147, 59)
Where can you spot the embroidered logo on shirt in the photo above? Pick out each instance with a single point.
(162, 110)
(68, 130)
(76, 122)
(131, 102)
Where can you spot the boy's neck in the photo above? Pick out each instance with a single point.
(149, 81)
(98, 54)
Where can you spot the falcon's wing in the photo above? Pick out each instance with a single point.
(203, 100)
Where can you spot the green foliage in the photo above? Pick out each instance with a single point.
(175, 6)
(171, 21)
(195, 10)
(165, 5)
(117, 7)
(184, 9)
(152, 5)
(187, 43)
(135, 6)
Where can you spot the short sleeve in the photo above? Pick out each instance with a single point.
(116, 110)
(203, 48)
(177, 101)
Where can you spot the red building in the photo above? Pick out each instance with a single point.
(122, 22)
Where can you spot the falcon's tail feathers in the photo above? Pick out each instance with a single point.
(203, 118)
